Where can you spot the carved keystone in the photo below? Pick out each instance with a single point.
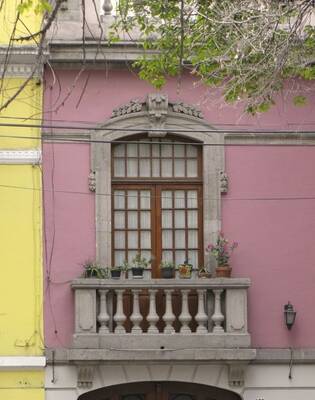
(237, 374)
(157, 108)
(85, 376)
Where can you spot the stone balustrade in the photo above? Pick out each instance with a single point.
(143, 312)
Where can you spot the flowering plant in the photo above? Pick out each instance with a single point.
(221, 250)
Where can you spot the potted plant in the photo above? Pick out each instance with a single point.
(185, 270)
(115, 272)
(203, 272)
(167, 269)
(138, 264)
(94, 270)
(222, 252)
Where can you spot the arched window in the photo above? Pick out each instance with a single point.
(157, 201)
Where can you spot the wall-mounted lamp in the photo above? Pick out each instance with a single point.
(289, 315)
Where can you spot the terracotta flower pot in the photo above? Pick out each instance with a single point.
(223, 271)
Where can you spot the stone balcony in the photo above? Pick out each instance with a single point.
(161, 319)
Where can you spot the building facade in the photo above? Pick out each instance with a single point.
(129, 170)
(22, 358)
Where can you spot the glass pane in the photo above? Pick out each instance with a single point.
(132, 167)
(131, 254)
(192, 170)
(180, 219)
(180, 257)
(180, 239)
(193, 239)
(132, 199)
(167, 170)
(167, 220)
(145, 240)
(156, 168)
(167, 199)
(119, 239)
(119, 150)
(119, 167)
(167, 255)
(191, 151)
(119, 219)
(132, 240)
(120, 257)
(132, 220)
(193, 257)
(146, 253)
(166, 150)
(145, 170)
(155, 150)
(145, 220)
(179, 168)
(192, 199)
(119, 199)
(179, 150)
(132, 150)
(145, 199)
(179, 199)
(192, 219)
(167, 239)
(144, 150)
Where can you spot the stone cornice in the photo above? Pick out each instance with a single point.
(20, 156)
(22, 362)
(21, 61)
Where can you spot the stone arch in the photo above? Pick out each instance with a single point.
(155, 116)
(196, 391)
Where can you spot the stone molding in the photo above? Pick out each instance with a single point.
(236, 374)
(22, 362)
(21, 62)
(224, 182)
(20, 156)
(85, 376)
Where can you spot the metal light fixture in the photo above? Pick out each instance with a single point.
(289, 315)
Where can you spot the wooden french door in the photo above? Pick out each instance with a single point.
(160, 221)
(160, 391)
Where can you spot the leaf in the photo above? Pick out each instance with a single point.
(299, 101)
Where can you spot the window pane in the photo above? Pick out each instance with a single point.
(180, 239)
(167, 199)
(192, 171)
(192, 199)
(119, 258)
(132, 240)
(145, 240)
(180, 219)
(132, 167)
(179, 150)
(132, 150)
(119, 150)
(145, 170)
(119, 219)
(192, 219)
(167, 239)
(167, 220)
(167, 255)
(119, 167)
(155, 150)
(144, 150)
(131, 254)
(119, 199)
(132, 220)
(191, 151)
(145, 220)
(145, 199)
(179, 199)
(193, 257)
(156, 168)
(132, 199)
(119, 239)
(147, 254)
(193, 239)
(179, 166)
(166, 150)
(167, 170)
(180, 257)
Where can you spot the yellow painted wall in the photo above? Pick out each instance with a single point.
(21, 299)
(22, 385)
(26, 104)
(8, 15)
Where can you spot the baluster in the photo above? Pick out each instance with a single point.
(103, 317)
(120, 317)
(152, 317)
(201, 317)
(185, 317)
(169, 316)
(107, 7)
(136, 317)
(217, 316)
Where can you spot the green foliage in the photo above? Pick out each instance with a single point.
(299, 101)
(245, 49)
(38, 6)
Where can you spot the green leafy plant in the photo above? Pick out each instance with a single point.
(167, 264)
(222, 250)
(92, 269)
(140, 262)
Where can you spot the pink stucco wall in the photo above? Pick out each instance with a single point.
(262, 210)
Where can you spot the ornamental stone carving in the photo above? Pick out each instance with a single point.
(224, 182)
(236, 374)
(187, 109)
(157, 107)
(92, 181)
(132, 107)
(85, 376)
